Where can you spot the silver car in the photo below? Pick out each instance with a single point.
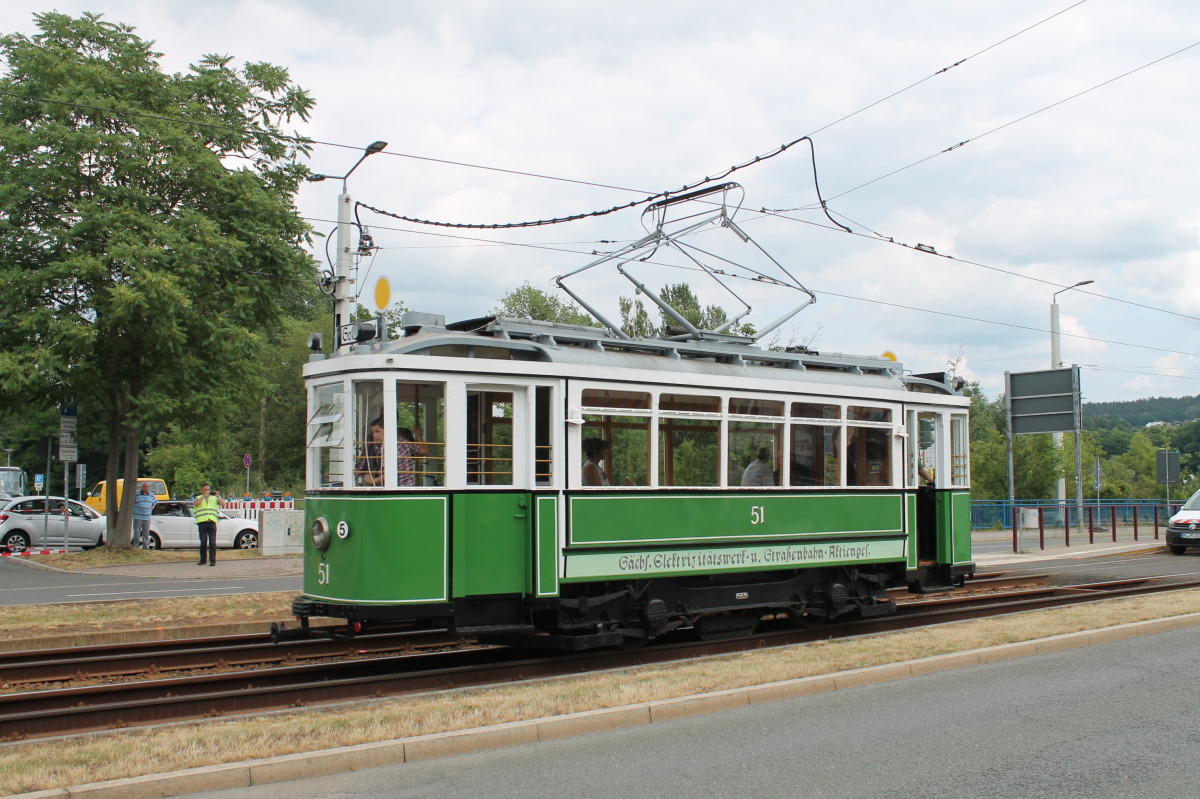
(172, 526)
(39, 522)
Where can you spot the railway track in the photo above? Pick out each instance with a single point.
(80, 664)
(72, 710)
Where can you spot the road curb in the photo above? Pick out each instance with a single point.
(284, 768)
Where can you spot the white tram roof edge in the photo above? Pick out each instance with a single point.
(530, 341)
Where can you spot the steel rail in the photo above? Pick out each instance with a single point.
(90, 708)
(154, 657)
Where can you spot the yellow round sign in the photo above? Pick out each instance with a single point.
(891, 356)
(383, 293)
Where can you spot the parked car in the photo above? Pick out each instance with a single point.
(97, 500)
(1183, 530)
(25, 523)
(172, 525)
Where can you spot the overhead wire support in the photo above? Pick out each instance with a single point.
(666, 234)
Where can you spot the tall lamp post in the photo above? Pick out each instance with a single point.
(1056, 363)
(343, 297)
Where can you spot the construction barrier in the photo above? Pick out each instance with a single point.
(37, 552)
(251, 508)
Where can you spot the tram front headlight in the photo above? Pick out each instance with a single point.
(320, 533)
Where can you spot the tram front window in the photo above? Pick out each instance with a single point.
(325, 436)
(368, 432)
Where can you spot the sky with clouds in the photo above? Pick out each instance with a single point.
(1030, 145)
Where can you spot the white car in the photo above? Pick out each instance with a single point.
(25, 523)
(171, 526)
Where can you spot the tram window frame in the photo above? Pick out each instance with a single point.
(628, 460)
(753, 417)
(809, 431)
(870, 431)
(326, 435)
(924, 446)
(479, 465)
(415, 402)
(614, 399)
(960, 451)
(683, 419)
(368, 468)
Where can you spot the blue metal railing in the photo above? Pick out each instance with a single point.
(997, 514)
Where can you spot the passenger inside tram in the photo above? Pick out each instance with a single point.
(596, 450)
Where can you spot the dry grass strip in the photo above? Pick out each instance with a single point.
(31, 621)
(39, 766)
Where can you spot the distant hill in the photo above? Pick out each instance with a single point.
(1139, 413)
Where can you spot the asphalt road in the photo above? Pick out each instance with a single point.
(21, 585)
(1110, 721)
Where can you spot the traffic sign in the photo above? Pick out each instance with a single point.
(246, 461)
(38, 481)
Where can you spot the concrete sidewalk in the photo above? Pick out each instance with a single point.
(1080, 546)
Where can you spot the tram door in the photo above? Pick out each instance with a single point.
(923, 472)
(492, 515)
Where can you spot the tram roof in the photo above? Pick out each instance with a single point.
(554, 342)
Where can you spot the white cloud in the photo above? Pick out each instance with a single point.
(649, 97)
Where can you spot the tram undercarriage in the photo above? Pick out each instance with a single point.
(713, 606)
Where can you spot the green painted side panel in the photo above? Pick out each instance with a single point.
(491, 544)
(643, 519)
(911, 525)
(954, 526)
(961, 504)
(547, 546)
(395, 552)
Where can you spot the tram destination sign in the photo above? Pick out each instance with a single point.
(1043, 402)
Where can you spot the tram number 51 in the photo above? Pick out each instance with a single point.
(322, 574)
(758, 514)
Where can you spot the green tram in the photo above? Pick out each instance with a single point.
(563, 486)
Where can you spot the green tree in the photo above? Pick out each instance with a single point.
(148, 227)
(526, 302)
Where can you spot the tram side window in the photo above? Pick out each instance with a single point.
(868, 456)
(489, 437)
(689, 448)
(960, 457)
(816, 455)
(325, 436)
(868, 449)
(628, 460)
(368, 432)
(816, 447)
(420, 434)
(754, 447)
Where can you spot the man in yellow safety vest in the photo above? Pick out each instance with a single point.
(205, 513)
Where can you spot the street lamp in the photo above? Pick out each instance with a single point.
(1055, 333)
(343, 298)
(8, 451)
(1056, 363)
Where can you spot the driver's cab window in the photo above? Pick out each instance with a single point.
(368, 433)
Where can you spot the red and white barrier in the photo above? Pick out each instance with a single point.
(35, 552)
(251, 508)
